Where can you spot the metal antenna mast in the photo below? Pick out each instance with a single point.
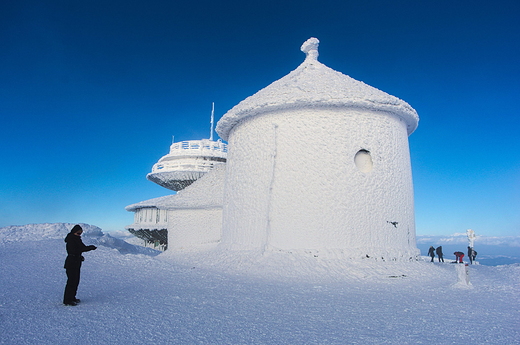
(212, 118)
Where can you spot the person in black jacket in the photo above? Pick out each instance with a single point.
(439, 253)
(472, 254)
(75, 248)
(431, 252)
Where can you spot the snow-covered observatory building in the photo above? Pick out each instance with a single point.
(187, 219)
(319, 162)
(186, 162)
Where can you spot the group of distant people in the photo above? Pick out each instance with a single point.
(472, 254)
(432, 251)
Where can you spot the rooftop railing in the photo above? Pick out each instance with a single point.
(199, 145)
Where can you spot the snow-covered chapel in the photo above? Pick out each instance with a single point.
(317, 163)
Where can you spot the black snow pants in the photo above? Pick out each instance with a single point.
(73, 269)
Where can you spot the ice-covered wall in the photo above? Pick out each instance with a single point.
(320, 168)
(189, 229)
(195, 213)
(193, 216)
(293, 183)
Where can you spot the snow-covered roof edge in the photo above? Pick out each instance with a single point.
(206, 192)
(148, 203)
(314, 85)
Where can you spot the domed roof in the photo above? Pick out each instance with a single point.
(313, 84)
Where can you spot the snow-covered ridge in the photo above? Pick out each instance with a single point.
(37, 232)
(50, 231)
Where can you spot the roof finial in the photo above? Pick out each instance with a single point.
(310, 48)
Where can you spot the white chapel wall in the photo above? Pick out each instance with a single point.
(293, 183)
(192, 228)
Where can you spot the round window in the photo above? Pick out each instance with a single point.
(363, 161)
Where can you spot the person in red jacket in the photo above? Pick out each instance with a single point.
(458, 257)
(75, 248)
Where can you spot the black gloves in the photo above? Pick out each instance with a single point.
(91, 247)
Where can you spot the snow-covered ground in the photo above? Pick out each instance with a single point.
(131, 295)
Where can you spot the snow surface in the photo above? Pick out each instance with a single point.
(146, 299)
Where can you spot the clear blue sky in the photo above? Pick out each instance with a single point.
(91, 93)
